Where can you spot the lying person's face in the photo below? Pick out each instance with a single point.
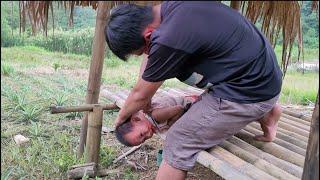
(142, 129)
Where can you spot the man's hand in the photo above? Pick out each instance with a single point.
(119, 121)
(139, 97)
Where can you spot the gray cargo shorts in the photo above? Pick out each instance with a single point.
(208, 122)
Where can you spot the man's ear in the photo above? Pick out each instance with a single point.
(147, 33)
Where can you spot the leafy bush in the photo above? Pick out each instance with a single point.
(6, 69)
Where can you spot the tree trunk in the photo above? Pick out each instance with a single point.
(94, 80)
(311, 167)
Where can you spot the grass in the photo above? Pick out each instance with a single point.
(32, 79)
(309, 54)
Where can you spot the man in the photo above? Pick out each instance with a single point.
(207, 45)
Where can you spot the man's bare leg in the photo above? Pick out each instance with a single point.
(166, 172)
(269, 124)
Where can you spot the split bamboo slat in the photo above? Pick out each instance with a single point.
(242, 157)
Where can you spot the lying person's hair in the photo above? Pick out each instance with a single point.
(122, 130)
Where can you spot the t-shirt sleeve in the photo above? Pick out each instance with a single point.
(164, 63)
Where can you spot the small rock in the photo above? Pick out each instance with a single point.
(107, 129)
(19, 139)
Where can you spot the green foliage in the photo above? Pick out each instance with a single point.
(6, 174)
(310, 25)
(56, 66)
(107, 155)
(299, 88)
(29, 113)
(6, 69)
(129, 175)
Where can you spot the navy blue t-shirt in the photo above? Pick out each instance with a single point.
(209, 45)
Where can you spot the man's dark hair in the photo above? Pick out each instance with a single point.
(123, 32)
(122, 130)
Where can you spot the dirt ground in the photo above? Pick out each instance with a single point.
(146, 157)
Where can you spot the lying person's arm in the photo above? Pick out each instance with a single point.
(169, 114)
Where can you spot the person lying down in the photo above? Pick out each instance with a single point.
(163, 112)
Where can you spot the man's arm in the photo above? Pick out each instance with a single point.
(138, 98)
(142, 68)
(143, 65)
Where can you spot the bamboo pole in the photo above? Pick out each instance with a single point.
(282, 164)
(94, 134)
(293, 129)
(311, 168)
(235, 5)
(239, 164)
(278, 141)
(89, 169)
(258, 162)
(272, 148)
(295, 124)
(296, 119)
(113, 96)
(220, 167)
(86, 107)
(94, 80)
(289, 133)
(297, 115)
(284, 137)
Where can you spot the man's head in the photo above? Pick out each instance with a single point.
(135, 130)
(128, 31)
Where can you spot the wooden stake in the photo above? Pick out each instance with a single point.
(94, 134)
(311, 168)
(127, 153)
(94, 80)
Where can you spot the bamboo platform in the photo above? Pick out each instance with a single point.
(241, 157)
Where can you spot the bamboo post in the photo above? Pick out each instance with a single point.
(94, 134)
(235, 5)
(311, 167)
(94, 80)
